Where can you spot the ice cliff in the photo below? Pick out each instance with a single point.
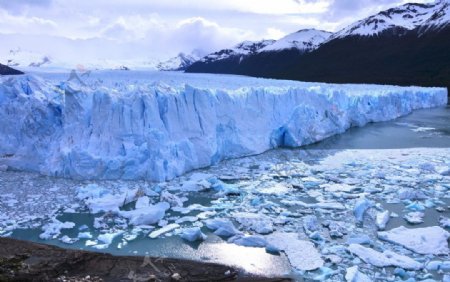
(157, 131)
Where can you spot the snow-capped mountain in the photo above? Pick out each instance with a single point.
(26, 58)
(245, 48)
(303, 40)
(406, 45)
(406, 17)
(180, 62)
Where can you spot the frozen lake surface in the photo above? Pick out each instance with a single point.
(344, 199)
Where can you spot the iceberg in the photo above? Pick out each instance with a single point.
(163, 230)
(256, 241)
(381, 219)
(301, 254)
(222, 227)
(53, 229)
(387, 258)
(147, 215)
(354, 275)
(193, 234)
(426, 240)
(160, 127)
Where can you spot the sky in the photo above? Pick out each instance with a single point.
(154, 30)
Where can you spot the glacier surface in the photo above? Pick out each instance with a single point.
(158, 127)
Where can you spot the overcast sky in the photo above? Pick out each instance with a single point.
(156, 29)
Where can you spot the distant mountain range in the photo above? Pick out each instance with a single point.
(181, 62)
(406, 45)
(25, 59)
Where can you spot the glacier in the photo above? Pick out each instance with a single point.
(158, 126)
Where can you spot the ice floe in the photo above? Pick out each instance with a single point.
(383, 259)
(427, 240)
(302, 254)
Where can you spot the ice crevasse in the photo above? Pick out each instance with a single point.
(158, 131)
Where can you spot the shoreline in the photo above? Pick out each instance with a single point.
(28, 261)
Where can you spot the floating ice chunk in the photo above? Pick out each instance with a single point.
(84, 235)
(411, 194)
(444, 221)
(334, 259)
(107, 238)
(163, 230)
(90, 243)
(67, 240)
(259, 223)
(172, 199)
(427, 240)
(149, 215)
(223, 188)
(192, 234)
(320, 205)
(107, 203)
(249, 240)
(271, 249)
(310, 224)
(186, 219)
(142, 202)
(427, 167)
(446, 278)
(438, 265)
(382, 219)
(301, 254)
(361, 239)
(191, 186)
(275, 189)
(360, 208)
(354, 275)
(206, 214)
(325, 274)
(415, 206)
(336, 228)
(387, 258)
(199, 176)
(100, 246)
(332, 188)
(223, 227)
(414, 217)
(99, 199)
(92, 191)
(53, 229)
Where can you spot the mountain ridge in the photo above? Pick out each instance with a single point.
(404, 53)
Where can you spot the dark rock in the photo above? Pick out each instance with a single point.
(27, 261)
(5, 70)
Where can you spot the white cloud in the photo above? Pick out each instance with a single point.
(158, 28)
(274, 33)
(17, 23)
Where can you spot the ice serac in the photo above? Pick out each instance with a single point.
(158, 131)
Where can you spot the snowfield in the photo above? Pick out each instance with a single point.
(127, 125)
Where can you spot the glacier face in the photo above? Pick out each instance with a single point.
(143, 129)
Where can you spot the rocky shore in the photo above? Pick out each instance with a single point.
(27, 261)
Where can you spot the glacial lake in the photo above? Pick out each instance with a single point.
(376, 161)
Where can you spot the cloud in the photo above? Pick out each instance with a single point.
(158, 28)
(17, 6)
(274, 33)
(199, 33)
(9, 23)
(343, 12)
(185, 35)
